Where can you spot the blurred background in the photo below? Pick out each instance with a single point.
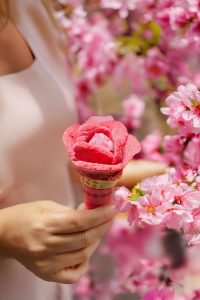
(126, 57)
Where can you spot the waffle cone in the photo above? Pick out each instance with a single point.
(98, 188)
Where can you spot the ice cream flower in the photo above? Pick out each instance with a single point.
(100, 145)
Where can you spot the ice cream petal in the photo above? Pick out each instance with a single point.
(87, 131)
(119, 135)
(102, 141)
(69, 138)
(97, 168)
(132, 147)
(90, 153)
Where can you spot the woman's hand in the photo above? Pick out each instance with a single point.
(53, 241)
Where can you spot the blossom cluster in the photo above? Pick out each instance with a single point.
(144, 263)
(171, 201)
(184, 110)
(145, 50)
(159, 201)
(182, 150)
(150, 44)
(149, 263)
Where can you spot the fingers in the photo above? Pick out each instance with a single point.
(49, 267)
(80, 220)
(69, 276)
(76, 241)
(53, 264)
(71, 259)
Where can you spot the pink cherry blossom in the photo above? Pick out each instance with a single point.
(192, 152)
(121, 199)
(163, 202)
(183, 108)
(151, 208)
(186, 196)
(163, 182)
(177, 217)
(193, 229)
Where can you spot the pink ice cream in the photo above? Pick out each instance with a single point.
(100, 149)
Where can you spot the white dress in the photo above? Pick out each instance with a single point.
(36, 106)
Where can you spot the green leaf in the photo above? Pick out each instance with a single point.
(195, 103)
(139, 42)
(136, 193)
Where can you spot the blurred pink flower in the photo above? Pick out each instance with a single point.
(159, 294)
(195, 240)
(156, 64)
(123, 6)
(151, 147)
(133, 112)
(84, 288)
(178, 17)
(121, 199)
(192, 152)
(173, 146)
(131, 69)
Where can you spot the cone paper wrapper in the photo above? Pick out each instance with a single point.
(98, 191)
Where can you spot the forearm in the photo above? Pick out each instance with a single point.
(137, 170)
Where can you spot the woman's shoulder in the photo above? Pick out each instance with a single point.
(42, 35)
(13, 61)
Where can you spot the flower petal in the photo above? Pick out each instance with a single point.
(87, 131)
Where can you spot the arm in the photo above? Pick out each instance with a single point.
(137, 170)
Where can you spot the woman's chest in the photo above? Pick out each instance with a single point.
(34, 112)
(33, 104)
